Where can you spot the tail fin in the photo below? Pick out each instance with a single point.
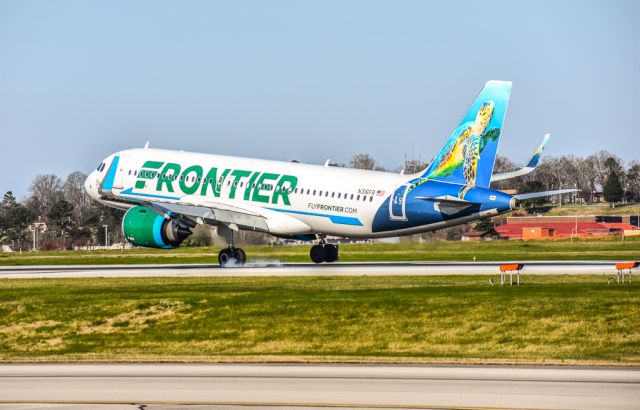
(468, 156)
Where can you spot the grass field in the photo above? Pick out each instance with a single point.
(550, 319)
(594, 209)
(594, 249)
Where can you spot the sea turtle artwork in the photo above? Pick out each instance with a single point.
(465, 146)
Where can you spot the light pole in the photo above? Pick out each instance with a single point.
(106, 229)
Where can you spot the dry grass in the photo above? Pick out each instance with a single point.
(550, 319)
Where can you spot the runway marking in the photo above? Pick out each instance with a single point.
(259, 404)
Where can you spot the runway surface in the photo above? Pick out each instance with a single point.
(161, 386)
(274, 268)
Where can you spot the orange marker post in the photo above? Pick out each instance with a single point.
(510, 267)
(622, 266)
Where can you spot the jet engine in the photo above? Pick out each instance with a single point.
(143, 227)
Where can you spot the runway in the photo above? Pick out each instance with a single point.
(160, 386)
(275, 268)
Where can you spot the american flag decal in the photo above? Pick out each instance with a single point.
(379, 193)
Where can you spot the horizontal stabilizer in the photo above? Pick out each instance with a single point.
(531, 165)
(544, 193)
(447, 200)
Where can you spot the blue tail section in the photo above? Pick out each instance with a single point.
(468, 155)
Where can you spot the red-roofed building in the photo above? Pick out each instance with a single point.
(545, 227)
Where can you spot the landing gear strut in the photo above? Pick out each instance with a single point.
(231, 254)
(324, 252)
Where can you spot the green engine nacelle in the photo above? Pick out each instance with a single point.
(142, 227)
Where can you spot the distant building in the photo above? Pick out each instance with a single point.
(559, 227)
(474, 235)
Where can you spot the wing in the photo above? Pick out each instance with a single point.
(531, 165)
(236, 216)
(544, 193)
(214, 214)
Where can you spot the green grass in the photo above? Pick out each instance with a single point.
(594, 249)
(550, 319)
(593, 209)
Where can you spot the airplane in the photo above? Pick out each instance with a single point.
(166, 193)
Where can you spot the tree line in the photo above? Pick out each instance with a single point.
(72, 218)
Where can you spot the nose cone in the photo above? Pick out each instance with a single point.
(91, 185)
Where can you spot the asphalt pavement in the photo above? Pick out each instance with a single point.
(276, 268)
(164, 386)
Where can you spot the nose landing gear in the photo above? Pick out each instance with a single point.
(324, 252)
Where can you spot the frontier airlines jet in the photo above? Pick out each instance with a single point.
(167, 193)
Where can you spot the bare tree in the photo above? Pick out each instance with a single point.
(412, 166)
(504, 164)
(633, 179)
(45, 191)
(74, 193)
(363, 161)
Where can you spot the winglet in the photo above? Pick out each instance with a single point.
(535, 158)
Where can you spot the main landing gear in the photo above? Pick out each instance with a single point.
(230, 255)
(233, 255)
(324, 252)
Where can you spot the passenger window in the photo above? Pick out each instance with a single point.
(135, 172)
(358, 198)
(351, 196)
(333, 194)
(326, 193)
(314, 192)
(339, 195)
(320, 193)
(370, 199)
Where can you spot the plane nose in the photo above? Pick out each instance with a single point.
(90, 185)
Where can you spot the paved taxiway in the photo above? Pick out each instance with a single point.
(274, 268)
(296, 385)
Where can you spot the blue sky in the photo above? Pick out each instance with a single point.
(307, 80)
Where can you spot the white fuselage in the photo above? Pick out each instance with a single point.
(330, 200)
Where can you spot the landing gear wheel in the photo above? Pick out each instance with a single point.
(318, 254)
(225, 256)
(240, 256)
(331, 252)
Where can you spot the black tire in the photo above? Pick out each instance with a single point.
(225, 256)
(240, 256)
(331, 252)
(318, 254)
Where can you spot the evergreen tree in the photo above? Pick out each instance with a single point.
(612, 190)
(60, 216)
(14, 219)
